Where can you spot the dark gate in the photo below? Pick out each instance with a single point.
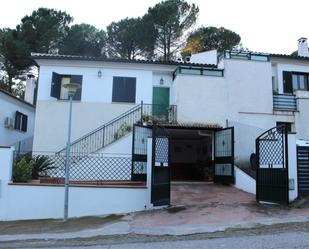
(160, 182)
(272, 182)
(224, 156)
(303, 169)
(139, 152)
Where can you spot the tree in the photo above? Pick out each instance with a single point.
(130, 38)
(208, 38)
(83, 39)
(14, 57)
(171, 19)
(44, 29)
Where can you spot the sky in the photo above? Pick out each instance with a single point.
(264, 25)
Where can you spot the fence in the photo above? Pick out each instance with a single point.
(84, 169)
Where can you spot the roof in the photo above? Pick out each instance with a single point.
(287, 56)
(14, 97)
(36, 56)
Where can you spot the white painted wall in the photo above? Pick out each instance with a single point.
(302, 116)
(207, 57)
(21, 202)
(292, 159)
(95, 107)
(244, 181)
(8, 106)
(121, 146)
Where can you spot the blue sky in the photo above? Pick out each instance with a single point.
(264, 25)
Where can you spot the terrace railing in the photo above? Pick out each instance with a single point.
(284, 102)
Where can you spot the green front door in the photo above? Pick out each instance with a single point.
(160, 101)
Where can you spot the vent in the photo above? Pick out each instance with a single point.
(9, 123)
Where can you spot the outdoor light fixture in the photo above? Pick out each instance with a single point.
(99, 73)
(72, 88)
(161, 81)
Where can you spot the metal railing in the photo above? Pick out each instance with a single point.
(120, 126)
(96, 169)
(284, 102)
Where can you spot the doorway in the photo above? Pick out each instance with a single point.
(160, 101)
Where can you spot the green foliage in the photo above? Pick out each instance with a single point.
(38, 166)
(14, 56)
(44, 29)
(41, 166)
(171, 19)
(83, 39)
(22, 170)
(130, 37)
(208, 38)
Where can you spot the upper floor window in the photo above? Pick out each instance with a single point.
(21, 121)
(57, 86)
(124, 89)
(295, 81)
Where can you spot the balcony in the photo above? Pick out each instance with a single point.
(285, 102)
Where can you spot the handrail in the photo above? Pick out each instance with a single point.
(120, 126)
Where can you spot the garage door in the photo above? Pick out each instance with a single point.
(303, 169)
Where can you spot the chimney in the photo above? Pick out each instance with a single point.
(30, 87)
(303, 47)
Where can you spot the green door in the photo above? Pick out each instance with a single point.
(160, 101)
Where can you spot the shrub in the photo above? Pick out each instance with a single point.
(22, 170)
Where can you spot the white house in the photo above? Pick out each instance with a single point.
(17, 119)
(144, 123)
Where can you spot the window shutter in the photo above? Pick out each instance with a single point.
(78, 79)
(24, 123)
(17, 120)
(130, 89)
(55, 86)
(124, 89)
(287, 82)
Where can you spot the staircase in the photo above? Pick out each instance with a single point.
(120, 126)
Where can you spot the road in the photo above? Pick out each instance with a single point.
(293, 240)
(278, 236)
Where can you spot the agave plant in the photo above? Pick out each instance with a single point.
(41, 166)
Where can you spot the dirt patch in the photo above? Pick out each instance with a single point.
(55, 226)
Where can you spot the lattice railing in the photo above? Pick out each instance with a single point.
(91, 168)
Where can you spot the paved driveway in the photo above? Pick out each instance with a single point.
(203, 207)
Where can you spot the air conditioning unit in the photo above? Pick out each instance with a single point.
(9, 123)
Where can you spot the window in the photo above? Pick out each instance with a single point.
(295, 81)
(124, 89)
(60, 92)
(289, 125)
(21, 121)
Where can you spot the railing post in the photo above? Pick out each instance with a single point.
(141, 111)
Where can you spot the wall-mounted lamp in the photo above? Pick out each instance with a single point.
(161, 81)
(99, 73)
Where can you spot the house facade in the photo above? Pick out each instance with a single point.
(17, 120)
(213, 107)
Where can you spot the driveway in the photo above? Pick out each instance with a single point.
(205, 207)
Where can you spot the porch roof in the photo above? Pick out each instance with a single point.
(193, 125)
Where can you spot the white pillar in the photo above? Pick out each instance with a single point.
(30, 88)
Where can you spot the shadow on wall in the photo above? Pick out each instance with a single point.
(245, 136)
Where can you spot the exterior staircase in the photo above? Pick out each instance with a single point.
(120, 126)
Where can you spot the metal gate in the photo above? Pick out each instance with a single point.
(160, 182)
(272, 182)
(224, 156)
(139, 152)
(303, 169)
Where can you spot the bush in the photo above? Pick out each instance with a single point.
(22, 170)
(41, 166)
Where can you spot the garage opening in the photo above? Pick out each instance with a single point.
(191, 155)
